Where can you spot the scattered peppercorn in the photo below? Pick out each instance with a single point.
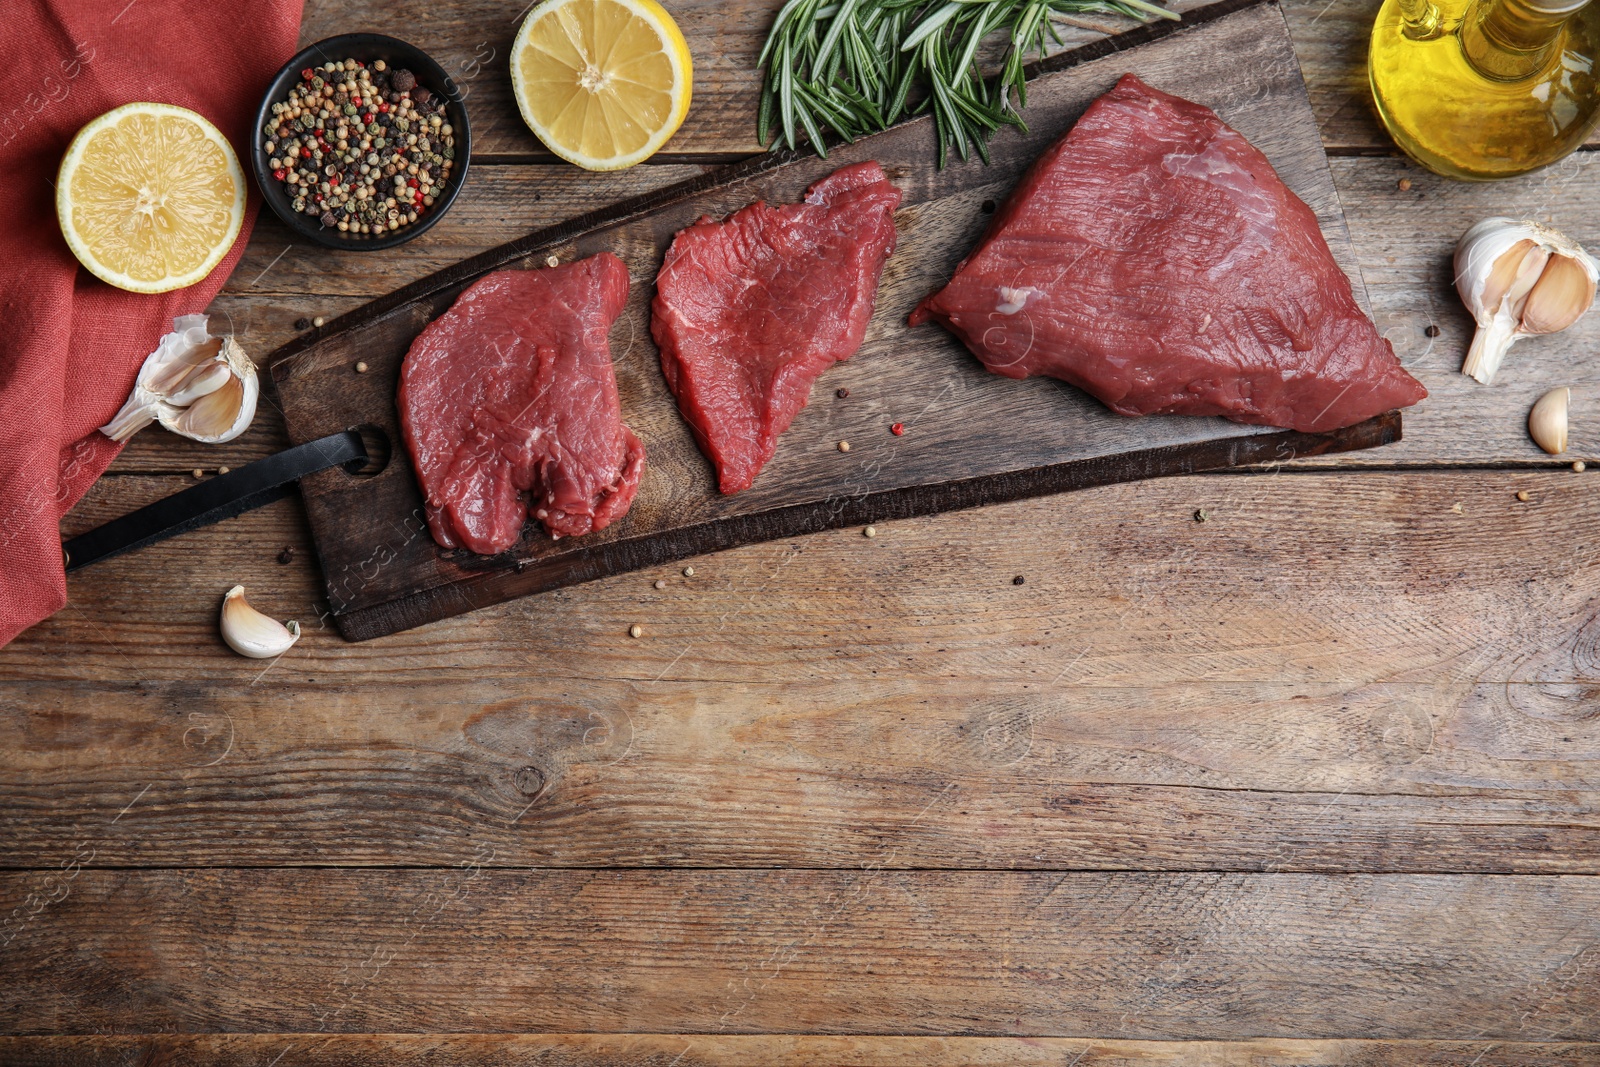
(1580, 466)
(844, 446)
(198, 473)
(1522, 495)
(1404, 185)
(361, 367)
(870, 531)
(661, 583)
(636, 630)
(1018, 580)
(1201, 515)
(222, 470)
(343, 131)
(551, 261)
(898, 428)
(1433, 330)
(841, 393)
(318, 321)
(286, 556)
(688, 572)
(302, 323)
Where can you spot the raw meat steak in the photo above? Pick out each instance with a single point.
(749, 310)
(511, 391)
(1153, 258)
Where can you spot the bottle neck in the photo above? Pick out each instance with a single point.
(1512, 39)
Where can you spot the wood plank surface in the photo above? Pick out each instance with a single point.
(1354, 684)
(1331, 672)
(1235, 57)
(725, 1050)
(866, 951)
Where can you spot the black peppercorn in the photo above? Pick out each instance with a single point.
(403, 81)
(329, 219)
(302, 323)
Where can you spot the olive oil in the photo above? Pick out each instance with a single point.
(1481, 89)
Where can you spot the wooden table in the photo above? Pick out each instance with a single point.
(1078, 780)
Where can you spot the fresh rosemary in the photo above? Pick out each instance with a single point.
(856, 66)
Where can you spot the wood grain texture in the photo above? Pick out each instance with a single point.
(722, 1050)
(1332, 671)
(866, 951)
(1336, 672)
(1054, 438)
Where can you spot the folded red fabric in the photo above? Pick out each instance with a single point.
(70, 344)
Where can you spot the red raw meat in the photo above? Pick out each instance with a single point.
(1153, 258)
(511, 391)
(749, 310)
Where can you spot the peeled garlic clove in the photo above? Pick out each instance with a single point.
(1519, 279)
(250, 633)
(1547, 422)
(191, 369)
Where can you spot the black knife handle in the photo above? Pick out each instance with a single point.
(220, 498)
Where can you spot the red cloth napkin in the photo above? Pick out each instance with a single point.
(70, 344)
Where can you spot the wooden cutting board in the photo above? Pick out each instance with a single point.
(970, 437)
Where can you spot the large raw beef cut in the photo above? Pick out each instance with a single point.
(509, 404)
(750, 309)
(1153, 258)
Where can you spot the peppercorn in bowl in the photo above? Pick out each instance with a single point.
(361, 142)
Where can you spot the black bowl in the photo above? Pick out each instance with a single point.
(366, 48)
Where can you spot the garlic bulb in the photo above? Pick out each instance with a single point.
(200, 386)
(250, 633)
(1547, 422)
(1519, 279)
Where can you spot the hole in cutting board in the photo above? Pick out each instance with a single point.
(376, 441)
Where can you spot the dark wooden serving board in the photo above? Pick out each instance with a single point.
(970, 437)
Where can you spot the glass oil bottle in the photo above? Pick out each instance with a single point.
(1480, 89)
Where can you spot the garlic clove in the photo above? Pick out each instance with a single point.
(190, 369)
(1515, 270)
(1519, 279)
(250, 633)
(218, 416)
(200, 381)
(165, 377)
(1561, 296)
(1547, 422)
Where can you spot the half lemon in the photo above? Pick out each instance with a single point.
(604, 83)
(150, 197)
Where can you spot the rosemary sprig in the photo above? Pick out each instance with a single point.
(856, 66)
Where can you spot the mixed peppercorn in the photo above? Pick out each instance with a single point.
(363, 149)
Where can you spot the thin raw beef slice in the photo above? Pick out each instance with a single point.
(751, 309)
(1153, 258)
(508, 402)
